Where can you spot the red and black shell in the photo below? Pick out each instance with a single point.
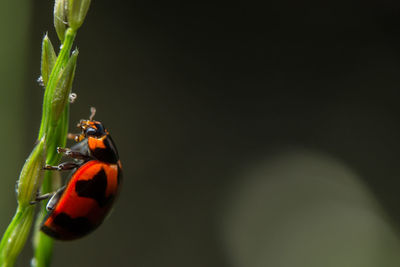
(82, 205)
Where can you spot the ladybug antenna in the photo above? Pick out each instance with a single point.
(92, 113)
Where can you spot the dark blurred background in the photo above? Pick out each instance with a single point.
(251, 134)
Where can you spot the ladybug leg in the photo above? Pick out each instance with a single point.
(76, 137)
(72, 136)
(41, 197)
(62, 167)
(72, 153)
(54, 199)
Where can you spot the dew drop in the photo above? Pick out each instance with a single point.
(72, 97)
(40, 81)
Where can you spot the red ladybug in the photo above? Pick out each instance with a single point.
(82, 204)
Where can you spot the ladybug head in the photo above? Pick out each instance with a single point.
(91, 128)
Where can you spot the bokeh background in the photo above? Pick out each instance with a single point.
(252, 135)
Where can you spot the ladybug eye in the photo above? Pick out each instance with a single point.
(91, 131)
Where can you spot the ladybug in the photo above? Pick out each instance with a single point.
(81, 205)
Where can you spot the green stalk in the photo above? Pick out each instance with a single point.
(29, 182)
(43, 244)
(49, 93)
(57, 75)
(16, 235)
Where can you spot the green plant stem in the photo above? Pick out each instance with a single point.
(22, 220)
(57, 132)
(43, 244)
(48, 125)
(57, 75)
(17, 232)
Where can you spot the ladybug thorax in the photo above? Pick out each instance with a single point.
(103, 148)
(96, 142)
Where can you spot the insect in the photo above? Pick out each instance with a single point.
(81, 205)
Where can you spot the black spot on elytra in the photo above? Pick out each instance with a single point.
(94, 188)
(69, 228)
(79, 226)
(50, 232)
